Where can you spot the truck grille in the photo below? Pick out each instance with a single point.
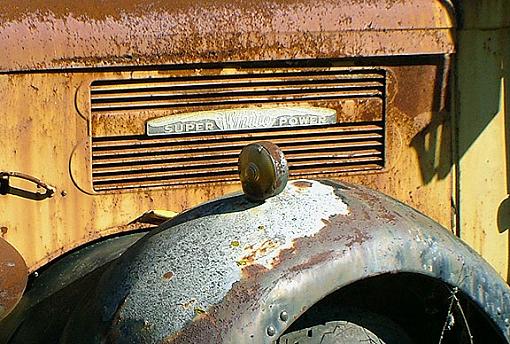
(140, 161)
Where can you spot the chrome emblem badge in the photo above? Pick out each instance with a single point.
(240, 119)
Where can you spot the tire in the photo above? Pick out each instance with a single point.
(350, 327)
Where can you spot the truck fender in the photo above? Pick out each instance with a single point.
(236, 271)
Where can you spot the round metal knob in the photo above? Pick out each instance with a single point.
(263, 170)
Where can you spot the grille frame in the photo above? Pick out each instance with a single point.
(104, 180)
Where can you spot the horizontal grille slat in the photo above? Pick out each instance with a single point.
(232, 90)
(358, 131)
(219, 159)
(145, 158)
(262, 98)
(218, 147)
(186, 171)
(319, 171)
(269, 77)
(208, 90)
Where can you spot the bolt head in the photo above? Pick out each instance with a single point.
(284, 316)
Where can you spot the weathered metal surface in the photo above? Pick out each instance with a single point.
(37, 35)
(13, 280)
(226, 271)
(57, 123)
(53, 113)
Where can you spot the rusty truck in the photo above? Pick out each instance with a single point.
(127, 214)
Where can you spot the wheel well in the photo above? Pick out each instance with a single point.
(57, 289)
(417, 303)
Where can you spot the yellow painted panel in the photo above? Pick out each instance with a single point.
(483, 128)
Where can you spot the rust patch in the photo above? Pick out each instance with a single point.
(302, 184)
(284, 255)
(326, 222)
(252, 271)
(14, 274)
(356, 236)
(313, 261)
(203, 329)
(211, 326)
(168, 275)
(188, 304)
(3, 230)
(254, 253)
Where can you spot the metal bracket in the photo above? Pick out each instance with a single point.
(4, 184)
(5, 187)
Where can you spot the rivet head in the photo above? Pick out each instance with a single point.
(284, 316)
(270, 331)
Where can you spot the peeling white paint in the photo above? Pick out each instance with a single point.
(238, 233)
(280, 233)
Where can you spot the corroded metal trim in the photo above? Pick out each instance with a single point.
(227, 271)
